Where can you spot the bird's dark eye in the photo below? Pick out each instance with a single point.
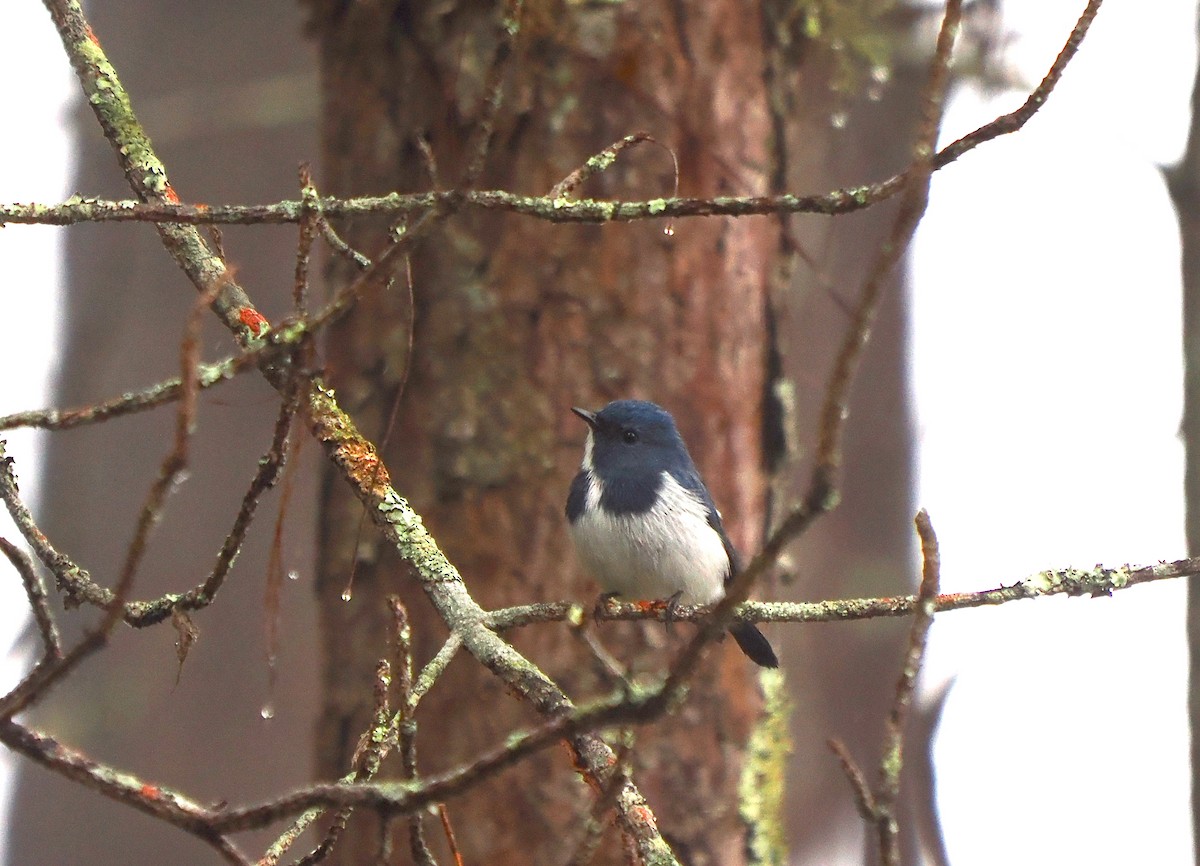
(630, 436)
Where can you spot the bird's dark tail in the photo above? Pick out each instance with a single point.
(754, 644)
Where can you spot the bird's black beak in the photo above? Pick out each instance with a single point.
(589, 417)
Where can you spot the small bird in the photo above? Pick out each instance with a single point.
(643, 522)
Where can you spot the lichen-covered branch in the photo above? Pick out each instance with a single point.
(162, 803)
(1080, 582)
(878, 807)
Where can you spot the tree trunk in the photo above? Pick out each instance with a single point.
(516, 321)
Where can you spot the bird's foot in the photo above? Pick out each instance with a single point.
(671, 608)
(600, 611)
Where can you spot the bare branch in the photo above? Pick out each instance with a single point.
(434, 668)
(506, 37)
(175, 464)
(864, 799)
(155, 800)
(309, 227)
(550, 208)
(71, 579)
(450, 838)
(35, 590)
(406, 726)
(892, 760)
(878, 807)
(605, 158)
(206, 376)
(1087, 583)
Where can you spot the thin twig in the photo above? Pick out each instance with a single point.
(265, 476)
(175, 464)
(892, 760)
(280, 458)
(429, 159)
(507, 30)
(448, 829)
(405, 723)
(864, 798)
(46, 673)
(207, 375)
(878, 807)
(1099, 581)
(379, 274)
(71, 579)
(35, 591)
(548, 208)
(343, 249)
(604, 159)
(309, 227)
(434, 668)
(609, 663)
(155, 800)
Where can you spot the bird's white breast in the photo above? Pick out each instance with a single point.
(653, 555)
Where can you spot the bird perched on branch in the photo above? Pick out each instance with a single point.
(643, 522)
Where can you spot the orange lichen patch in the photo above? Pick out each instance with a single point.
(581, 769)
(150, 792)
(91, 34)
(644, 815)
(201, 207)
(365, 466)
(254, 320)
(170, 195)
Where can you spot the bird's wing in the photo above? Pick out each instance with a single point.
(577, 497)
(691, 481)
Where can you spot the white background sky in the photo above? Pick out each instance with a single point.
(35, 163)
(1047, 374)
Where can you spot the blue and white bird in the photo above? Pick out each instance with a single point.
(644, 524)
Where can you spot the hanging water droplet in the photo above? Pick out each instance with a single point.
(293, 575)
(838, 120)
(669, 231)
(181, 477)
(267, 712)
(347, 594)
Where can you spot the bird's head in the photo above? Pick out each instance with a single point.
(629, 437)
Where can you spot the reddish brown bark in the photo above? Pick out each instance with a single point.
(515, 322)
